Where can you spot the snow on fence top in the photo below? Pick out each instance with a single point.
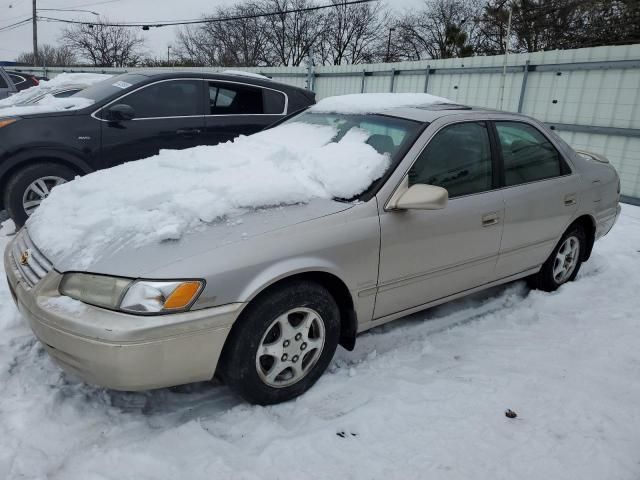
(183, 189)
(361, 103)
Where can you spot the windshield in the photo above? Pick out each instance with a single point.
(387, 135)
(110, 86)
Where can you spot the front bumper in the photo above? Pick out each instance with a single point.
(118, 350)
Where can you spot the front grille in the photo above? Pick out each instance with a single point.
(30, 262)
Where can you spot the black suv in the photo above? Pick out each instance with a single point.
(133, 116)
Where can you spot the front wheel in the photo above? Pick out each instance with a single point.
(282, 343)
(563, 264)
(27, 188)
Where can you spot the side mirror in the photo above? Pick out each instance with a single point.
(423, 197)
(120, 113)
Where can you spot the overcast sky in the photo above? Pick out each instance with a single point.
(19, 40)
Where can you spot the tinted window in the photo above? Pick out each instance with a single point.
(175, 98)
(65, 94)
(528, 155)
(232, 99)
(458, 158)
(274, 102)
(112, 86)
(3, 83)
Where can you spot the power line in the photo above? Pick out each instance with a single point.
(169, 23)
(13, 26)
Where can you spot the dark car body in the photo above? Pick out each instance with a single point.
(134, 116)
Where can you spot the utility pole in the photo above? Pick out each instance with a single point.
(389, 44)
(168, 58)
(34, 19)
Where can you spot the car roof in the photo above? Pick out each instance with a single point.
(232, 77)
(431, 112)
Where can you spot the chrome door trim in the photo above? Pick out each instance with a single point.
(286, 100)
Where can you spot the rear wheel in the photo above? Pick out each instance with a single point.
(282, 344)
(563, 264)
(27, 188)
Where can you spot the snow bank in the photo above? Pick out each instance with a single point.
(61, 81)
(176, 191)
(374, 102)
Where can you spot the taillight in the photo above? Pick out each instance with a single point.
(35, 81)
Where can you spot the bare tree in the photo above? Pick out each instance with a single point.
(291, 35)
(104, 45)
(440, 29)
(234, 42)
(352, 33)
(50, 56)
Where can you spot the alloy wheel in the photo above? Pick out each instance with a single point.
(290, 347)
(38, 190)
(566, 259)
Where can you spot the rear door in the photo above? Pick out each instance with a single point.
(540, 193)
(236, 108)
(169, 114)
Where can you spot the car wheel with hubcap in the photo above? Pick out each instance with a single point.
(563, 264)
(282, 343)
(26, 189)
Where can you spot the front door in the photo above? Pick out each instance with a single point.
(431, 254)
(168, 115)
(540, 197)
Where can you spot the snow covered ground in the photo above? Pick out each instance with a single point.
(423, 397)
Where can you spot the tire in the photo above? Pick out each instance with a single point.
(16, 189)
(255, 377)
(548, 279)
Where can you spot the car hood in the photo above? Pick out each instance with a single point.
(142, 261)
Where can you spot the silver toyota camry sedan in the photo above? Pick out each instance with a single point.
(467, 199)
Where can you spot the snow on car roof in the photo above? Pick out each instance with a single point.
(361, 103)
(245, 74)
(47, 86)
(185, 189)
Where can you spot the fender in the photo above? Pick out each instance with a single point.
(11, 161)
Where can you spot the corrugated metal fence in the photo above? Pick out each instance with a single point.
(591, 96)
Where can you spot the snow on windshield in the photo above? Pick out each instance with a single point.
(47, 86)
(162, 197)
(360, 103)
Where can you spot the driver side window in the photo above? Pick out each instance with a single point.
(458, 158)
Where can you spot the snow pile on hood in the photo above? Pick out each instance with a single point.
(163, 197)
(361, 103)
(46, 86)
(48, 104)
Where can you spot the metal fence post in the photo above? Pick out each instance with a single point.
(393, 79)
(523, 87)
(426, 78)
(310, 70)
(362, 83)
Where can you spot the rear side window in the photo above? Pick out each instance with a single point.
(527, 154)
(458, 158)
(175, 98)
(3, 83)
(16, 79)
(274, 102)
(234, 99)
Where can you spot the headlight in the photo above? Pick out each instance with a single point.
(135, 296)
(7, 121)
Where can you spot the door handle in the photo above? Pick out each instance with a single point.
(489, 219)
(188, 131)
(570, 199)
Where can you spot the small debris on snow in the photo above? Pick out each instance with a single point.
(510, 413)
